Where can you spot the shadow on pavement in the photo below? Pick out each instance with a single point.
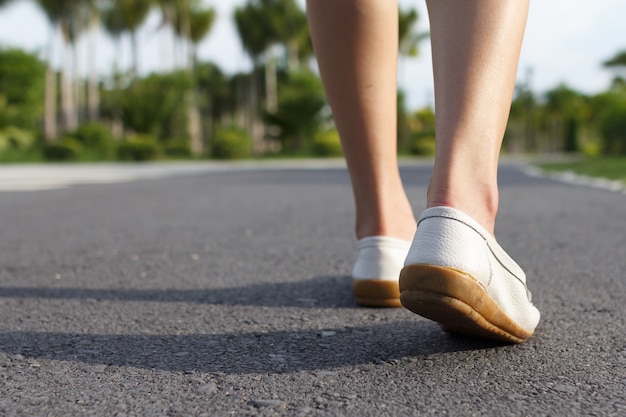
(318, 292)
(237, 352)
(246, 353)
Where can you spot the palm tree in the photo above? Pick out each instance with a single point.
(408, 38)
(93, 89)
(57, 13)
(78, 23)
(64, 15)
(191, 22)
(200, 25)
(50, 121)
(617, 64)
(127, 16)
(288, 26)
(124, 17)
(256, 35)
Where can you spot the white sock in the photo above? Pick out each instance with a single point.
(380, 257)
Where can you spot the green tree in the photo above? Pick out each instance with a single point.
(216, 96)
(618, 64)
(522, 131)
(65, 15)
(21, 100)
(191, 22)
(156, 105)
(22, 86)
(127, 16)
(201, 22)
(50, 119)
(613, 122)
(565, 107)
(409, 38)
(299, 115)
(287, 26)
(255, 33)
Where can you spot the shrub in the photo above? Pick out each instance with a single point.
(138, 148)
(613, 126)
(16, 145)
(67, 149)
(96, 139)
(423, 146)
(15, 138)
(177, 148)
(327, 143)
(230, 143)
(93, 134)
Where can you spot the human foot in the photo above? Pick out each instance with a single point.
(458, 275)
(377, 269)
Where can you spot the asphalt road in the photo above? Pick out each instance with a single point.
(227, 293)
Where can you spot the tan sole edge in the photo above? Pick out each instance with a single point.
(376, 293)
(458, 302)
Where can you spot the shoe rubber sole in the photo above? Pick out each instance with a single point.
(458, 302)
(376, 293)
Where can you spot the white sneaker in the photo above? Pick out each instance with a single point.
(458, 275)
(377, 270)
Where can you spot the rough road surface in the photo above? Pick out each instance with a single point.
(226, 292)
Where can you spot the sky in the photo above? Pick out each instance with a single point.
(566, 42)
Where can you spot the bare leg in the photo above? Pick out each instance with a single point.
(356, 44)
(456, 273)
(476, 46)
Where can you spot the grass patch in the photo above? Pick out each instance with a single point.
(613, 168)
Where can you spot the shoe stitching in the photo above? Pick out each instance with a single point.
(490, 270)
(528, 294)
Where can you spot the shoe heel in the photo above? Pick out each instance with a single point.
(376, 293)
(457, 301)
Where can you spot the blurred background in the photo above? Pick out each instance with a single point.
(101, 80)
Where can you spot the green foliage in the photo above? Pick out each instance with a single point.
(177, 148)
(603, 167)
(423, 145)
(327, 143)
(22, 88)
(570, 136)
(215, 91)
(300, 101)
(5, 112)
(200, 23)
(96, 139)
(403, 130)
(613, 124)
(618, 65)
(138, 148)
(263, 23)
(156, 105)
(408, 38)
(67, 149)
(421, 127)
(568, 108)
(230, 143)
(15, 139)
(125, 15)
(253, 28)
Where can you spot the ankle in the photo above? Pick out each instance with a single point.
(481, 203)
(398, 222)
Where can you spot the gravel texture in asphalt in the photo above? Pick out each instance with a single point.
(227, 293)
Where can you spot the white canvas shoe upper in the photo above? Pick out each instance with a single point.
(380, 257)
(449, 238)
